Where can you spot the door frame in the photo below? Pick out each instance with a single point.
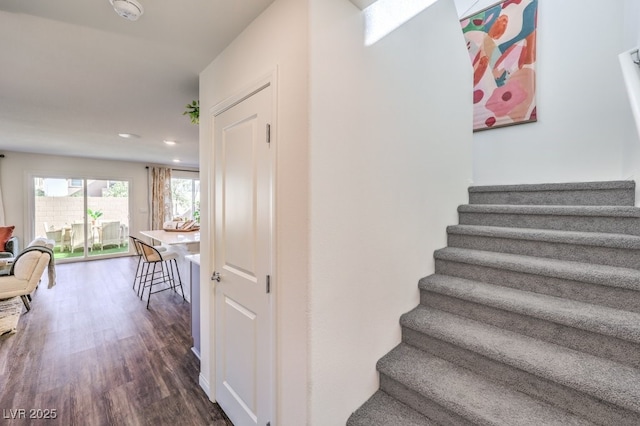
(268, 79)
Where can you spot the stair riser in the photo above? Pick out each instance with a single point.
(383, 409)
(421, 403)
(553, 393)
(612, 197)
(630, 226)
(577, 253)
(604, 346)
(613, 297)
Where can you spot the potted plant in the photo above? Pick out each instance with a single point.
(196, 213)
(193, 111)
(94, 215)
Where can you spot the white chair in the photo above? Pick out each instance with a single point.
(56, 237)
(110, 234)
(124, 234)
(77, 236)
(26, 274)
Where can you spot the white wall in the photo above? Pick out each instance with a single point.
(390, 162)
(584, 121)
(278, 38)
(16, 167)
(631, 24)
(465, 8)
(631, 72)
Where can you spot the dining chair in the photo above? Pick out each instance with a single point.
(161, 271)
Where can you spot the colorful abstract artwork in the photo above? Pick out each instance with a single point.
(502, 46)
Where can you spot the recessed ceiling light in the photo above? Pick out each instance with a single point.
(170, 142)
(176, 160)
(128, 135)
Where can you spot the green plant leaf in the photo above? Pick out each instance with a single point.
(193, 111)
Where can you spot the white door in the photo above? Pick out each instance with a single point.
(243, 206)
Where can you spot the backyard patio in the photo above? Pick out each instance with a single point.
(94, 251)
(100, 237)
(84, 218)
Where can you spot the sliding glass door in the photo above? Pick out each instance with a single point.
(84, 217)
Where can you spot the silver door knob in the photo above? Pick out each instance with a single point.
(215, 276)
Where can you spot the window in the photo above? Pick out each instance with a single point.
(185, 192)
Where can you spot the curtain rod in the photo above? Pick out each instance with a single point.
(177, 170)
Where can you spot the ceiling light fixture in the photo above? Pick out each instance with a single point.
(176, 160)
(128, 135)
(128, 9)
(168, 142)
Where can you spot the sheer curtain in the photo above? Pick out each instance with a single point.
(160, 191)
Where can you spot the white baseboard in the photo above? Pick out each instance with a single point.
(196, 352)
(204, 384)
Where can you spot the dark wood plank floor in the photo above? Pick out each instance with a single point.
(91, 351)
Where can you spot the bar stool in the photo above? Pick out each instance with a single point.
(140, 267)
(162, 270)
(138, 274)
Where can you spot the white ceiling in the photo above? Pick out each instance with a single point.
(74, 74)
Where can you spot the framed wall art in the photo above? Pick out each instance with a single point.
(501, 40)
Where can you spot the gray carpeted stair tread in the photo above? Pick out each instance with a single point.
(594, 318)
(383, 410)
(604, 379)
(597, 219)
(578, 271)
(467, 394)
(523, 209)
(620, 193)
(569, 186)
(618, 241)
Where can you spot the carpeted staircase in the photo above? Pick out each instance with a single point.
(531, 318)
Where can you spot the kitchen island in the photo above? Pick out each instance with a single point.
(194, 289)
(171, 238)
(184, 244)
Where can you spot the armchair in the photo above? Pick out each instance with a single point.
(77, 236)
(56, 237)
(25, 274)
(12, 248)
(110, 234)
